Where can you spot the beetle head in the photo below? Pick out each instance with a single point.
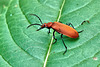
(45, 25)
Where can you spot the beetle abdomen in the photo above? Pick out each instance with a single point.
(65, 29)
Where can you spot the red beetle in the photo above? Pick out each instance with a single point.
(60, 28)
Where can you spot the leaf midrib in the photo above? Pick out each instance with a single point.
(58, 18)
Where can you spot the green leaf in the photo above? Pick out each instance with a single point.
(22, 47)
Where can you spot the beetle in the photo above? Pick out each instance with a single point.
(63, 29)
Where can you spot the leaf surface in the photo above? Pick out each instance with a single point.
(22, 47)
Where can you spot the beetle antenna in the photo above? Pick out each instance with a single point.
(39, 29)
(33, 24)
(37, 17)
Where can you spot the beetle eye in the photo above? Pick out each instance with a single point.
(44, 25)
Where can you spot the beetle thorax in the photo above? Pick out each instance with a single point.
(48, 25)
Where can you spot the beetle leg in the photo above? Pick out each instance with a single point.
(64, 44)
(84, 22)
(60, 21)
(71, 25)
(54, 37)
(80, 31)
(49, 31)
